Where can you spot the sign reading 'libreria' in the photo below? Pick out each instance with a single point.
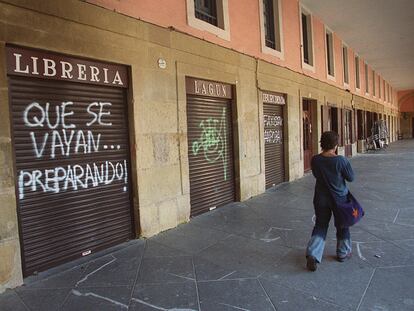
(40, 64)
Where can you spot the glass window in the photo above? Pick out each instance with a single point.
(357, 83)
(373, 83)
(330, 53)
(307, 38)
(271, 22)
(206, 10)
(379, 87)
(345, 63)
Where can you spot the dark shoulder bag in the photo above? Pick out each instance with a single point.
(349, 212)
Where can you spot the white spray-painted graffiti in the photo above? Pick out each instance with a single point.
(213, 141)
(72, 177)
(272, 120)
(273, 129)
(62, 138)
(273, 136)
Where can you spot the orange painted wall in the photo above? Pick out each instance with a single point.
(406, 101)
(244, 28)
(339, 67)
(245, 35)
(351, 68)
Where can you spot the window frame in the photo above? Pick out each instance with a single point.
(278, 25)
(385, 91)
(213, 14)
(379, 88)
(357, 73)
(388, 92)
(366, 79)
(374, 89)
(345, 70)
(222, 30)
(329, 32)
(304, 11)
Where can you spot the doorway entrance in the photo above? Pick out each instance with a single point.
(307, 134)
(412, 127)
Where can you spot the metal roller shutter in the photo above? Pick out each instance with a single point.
(72, 166)
(210, 153)
(274, 148)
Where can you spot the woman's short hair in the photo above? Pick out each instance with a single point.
(329, 140)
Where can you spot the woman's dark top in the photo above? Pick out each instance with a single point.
(337, 170)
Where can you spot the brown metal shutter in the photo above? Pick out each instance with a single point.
(347, 131)
(210, 152)
(62, 219)
(354, 126)
(274, 146)
(341, 126)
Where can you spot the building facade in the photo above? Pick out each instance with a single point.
(120, 119)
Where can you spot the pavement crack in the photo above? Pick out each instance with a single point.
(270, 240)
(403, 224)
(158, 307)
(267, 295)
(196, 284)
(226, 275)
(359, 252)
(284, 229)
(366, 289)
(79, 294)
(137, 271)
(396, 216)
(21, 300)
(231, 306)
(94, 271)
(180, 276)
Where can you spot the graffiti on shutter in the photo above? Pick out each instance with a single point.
(273, 129)
(57, 136)
(212, 141)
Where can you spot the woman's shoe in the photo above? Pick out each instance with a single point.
(343, 258)
(311, 263)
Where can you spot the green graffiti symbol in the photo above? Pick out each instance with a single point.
(213, 141)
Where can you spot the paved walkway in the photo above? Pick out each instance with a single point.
(250, 256)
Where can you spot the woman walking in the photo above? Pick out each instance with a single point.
(331, 172)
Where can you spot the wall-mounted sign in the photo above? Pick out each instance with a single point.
(273, 98)
(208, 88)
(41, 64)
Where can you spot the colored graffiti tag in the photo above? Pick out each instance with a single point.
(213, 141)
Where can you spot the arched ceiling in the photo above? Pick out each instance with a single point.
(380, 31)
(406, 102)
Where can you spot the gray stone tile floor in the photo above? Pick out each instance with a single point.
(250, 256)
